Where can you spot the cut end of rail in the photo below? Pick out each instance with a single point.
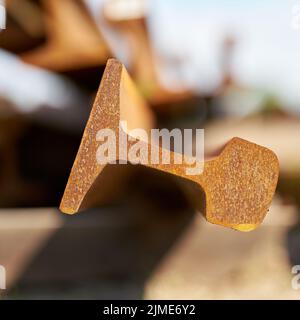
(239, 184)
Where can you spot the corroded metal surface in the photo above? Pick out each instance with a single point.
(238, 184)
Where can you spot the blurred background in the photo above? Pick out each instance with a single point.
(228, 66)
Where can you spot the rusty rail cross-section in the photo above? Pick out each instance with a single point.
(238, 185)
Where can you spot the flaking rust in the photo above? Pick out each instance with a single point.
(238, 185)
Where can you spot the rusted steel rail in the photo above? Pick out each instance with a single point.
(238, 184)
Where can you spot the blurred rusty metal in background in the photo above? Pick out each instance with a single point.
(73, 40)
